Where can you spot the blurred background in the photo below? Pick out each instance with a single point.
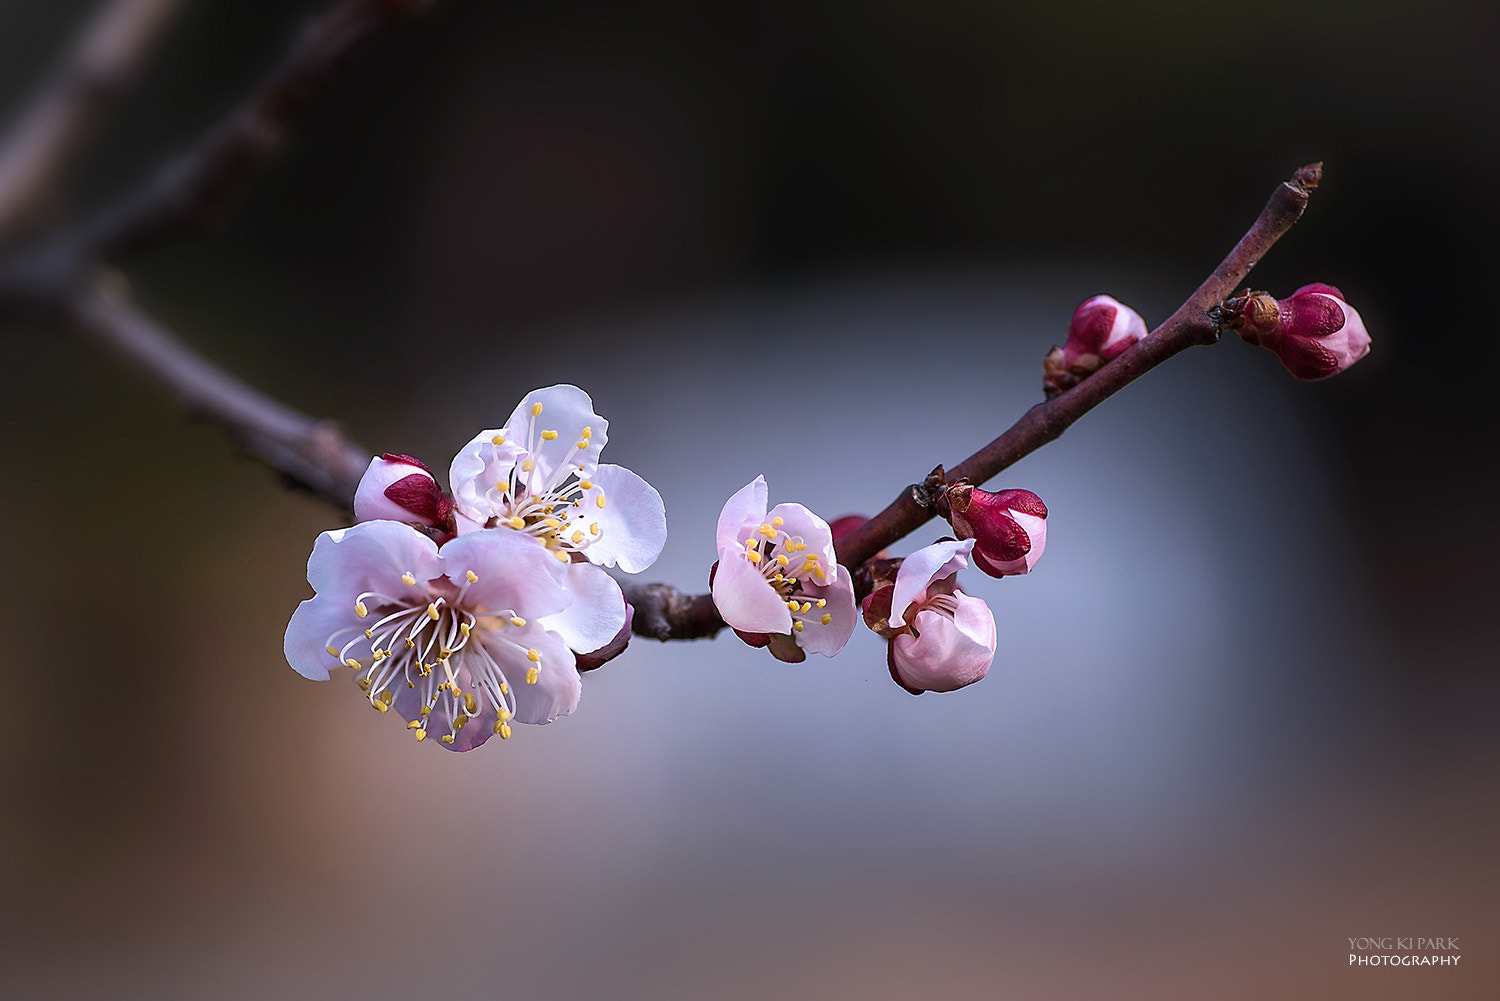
(1242, 712)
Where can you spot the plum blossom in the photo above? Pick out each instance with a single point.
(1009, 528)
(1101, 330)
(777, 582)
(1314, 332)
(401, 488)
(539, 476)
(457, 640)
(941, 639)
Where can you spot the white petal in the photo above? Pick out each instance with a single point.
(566, 410)
(513, 572)
(799, 520)
(942, 657)
(633, 521)
(371, 556)
(921, 568)
(746, 506)
(307, 635)
(830, 639)
(479, 466)
(745, 599)
(558, 687)
(597, 612)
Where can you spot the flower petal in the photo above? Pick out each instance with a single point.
(307, 634)
(371, 556)
(944, 656)
(921, 568)
(597, 612)
(632, 522)
(799, 520)
(477, 469)
(566, 410)
(830, 639)
(745, 599)
(513, 572)
(557, 688)
(747, 505)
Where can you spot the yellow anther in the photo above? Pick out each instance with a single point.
(792, 605)
(594, 528)
(421, 734)
(463, 628)
(432, 612)
(459, 721)
(364, 684)
(516, 522)
(767, 531)
(414, 724)
(752, 556)
(587, 432)
(360, 609)
(577, 537)
(469, 703)
(549, 436)
(599, 500)
(562, 557)
(386, 697)
(445, 654)
(778, 521)
(504, 731)
(354, 663)
(504, 714)
(447, 738)
(333, 651)
(581, 445)
(410, 645)
(534, 656)
(797, 625)
(527, 466)
(470, 576)
(552, 523)
(379, 656)
(586, 484)
(380, 706)
(408, 579)
(822, 602)
(806, 607)
(536, 410)
(818, 572)
(504, 688)
(781, 560)
(426, 710)
(369, 634)
(516, 620)
(531, 675)
(498, 439)
(411, 684)
(826, 618)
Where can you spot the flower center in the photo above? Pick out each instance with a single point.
(797, 578)
(555, 510)
(451, 656)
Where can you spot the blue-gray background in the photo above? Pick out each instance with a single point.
(1242, 712)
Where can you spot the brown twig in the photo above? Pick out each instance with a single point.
(95, 72)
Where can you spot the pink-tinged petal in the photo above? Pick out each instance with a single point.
(747, 506)
(746, 600)
(398, 488)
(921, 568)
(371, 556)
(597, 612)
(944, 654)
(486, 461)
(829, 639)
(1307, 359)
(632, 522)
(558, 687)
(798, 520)
(513, 572)
(307, 635)
(568, 411)
(1321, 288)
(464, 524)
(593, 659)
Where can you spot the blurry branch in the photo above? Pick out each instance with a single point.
(96, 71)
(61, 282)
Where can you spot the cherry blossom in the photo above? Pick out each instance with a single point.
(777, 582)
(457, 640)
(941, 639)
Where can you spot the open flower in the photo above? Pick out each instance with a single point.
(940, 638)
(1009, 528)
(457, 640)
(540, 477)
(777, 582)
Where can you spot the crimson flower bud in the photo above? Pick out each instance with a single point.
(1314, 332)
(1009, 528)
(1102, 328)
(401, 488)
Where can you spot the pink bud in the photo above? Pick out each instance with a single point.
(1009, 528)
(1314, 332)
(400, 488)
(1102, 328)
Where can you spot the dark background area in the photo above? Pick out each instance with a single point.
(660, 190)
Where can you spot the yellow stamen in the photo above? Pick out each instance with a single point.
(408, 579)
(599, 500)
(469, 703)
(587, 432)
(781, 560)
(516, 620)
(504, 730)
(534, 656)
(577, 538)
(432, 612)
(516, 522)
(470, 576)
(498, 439)
(421, 735)
(333, 651)
(536, 410)
(594, 528)
(778, 521)
(797, 625)
(549, 436)
(527, 466)
(447, 738)
(353, 663)
(360, 609)
(414, 724)
(531, 675)
(562, 557)
(827, 618)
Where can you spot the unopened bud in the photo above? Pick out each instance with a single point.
(1314, 332)
(1009, 528)
(400, 488)
(1102, 328)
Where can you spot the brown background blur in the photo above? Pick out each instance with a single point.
(1243, 711)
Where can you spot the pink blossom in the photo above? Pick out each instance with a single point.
(401, 488)
(1101, 330)
(458, 640)
(777, 582)
(1009, 528)
(1314, 332)
(941, 639)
